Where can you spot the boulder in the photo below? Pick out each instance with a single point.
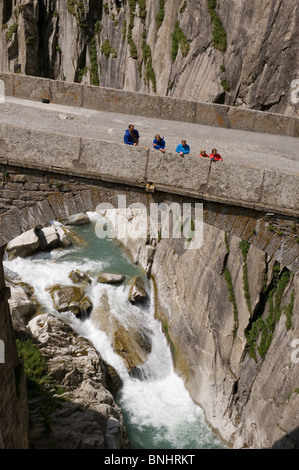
(37, 239)
(23, 245)
(48, 238)
(63, 237)
(70, 298)
(133, 344)
(137, 292)
(76, 219)
(109, 278)
(84, 414)
(79, 276)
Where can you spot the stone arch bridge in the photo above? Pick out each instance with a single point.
(47, 175)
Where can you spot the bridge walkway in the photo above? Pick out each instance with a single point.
(258, 150)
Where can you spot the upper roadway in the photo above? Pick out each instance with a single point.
(266, 151)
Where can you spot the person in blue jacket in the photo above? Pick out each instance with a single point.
(183, 148)
(159, 143)
(131, 136)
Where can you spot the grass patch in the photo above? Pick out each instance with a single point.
(161, 13)
(225, 85)
(260, 335)
(179, 40)
(142, 10)
(149, 71)
(218, 32)
(94, 70)
(36, 371)
(132, 45)
(108, 50)
(232, 299)
(11, 31)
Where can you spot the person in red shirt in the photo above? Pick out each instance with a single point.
(215, 157)
(204, 154)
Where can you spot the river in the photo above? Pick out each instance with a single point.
(157, 409)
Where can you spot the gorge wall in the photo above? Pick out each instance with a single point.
(241, 54)
(229, 312)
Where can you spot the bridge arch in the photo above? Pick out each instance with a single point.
(274, 234)
(68, 196)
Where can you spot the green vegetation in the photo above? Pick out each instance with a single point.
(76, 8)
(36, 371)
(179, 40)
(183, 7)
(142, 10)
(94, 71)
(71, 7)
(260, 335)
(149, 71)
(11, 31)
(124, 30)
(107, 49)
(288, 311)
(81, 74)
(161, 13)
(132, 45)
(225, 84)
(218, 33)
(244, 247)
(34, 366)
(232, 299)
(97, 29)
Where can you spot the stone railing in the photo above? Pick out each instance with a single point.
(152, 106)
(226, 183)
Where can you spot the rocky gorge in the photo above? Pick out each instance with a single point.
(230, 315)
(228, 312)
(70, 387)
(236, 53)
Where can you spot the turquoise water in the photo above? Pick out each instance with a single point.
(157, 409)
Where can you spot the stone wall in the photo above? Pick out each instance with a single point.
(162, 107)
(34, 193)
(169, 48)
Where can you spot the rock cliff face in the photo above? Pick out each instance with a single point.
(237, 53)
(230, 315)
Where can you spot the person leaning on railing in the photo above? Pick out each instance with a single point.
(183, 148)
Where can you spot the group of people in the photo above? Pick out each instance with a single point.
(131, 137)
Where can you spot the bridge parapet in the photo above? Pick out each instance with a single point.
(243, 186)
(162, 107)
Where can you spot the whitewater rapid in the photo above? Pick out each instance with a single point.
(158, 410)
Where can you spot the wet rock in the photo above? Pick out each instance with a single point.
(70, 298)
(137, 292)
(37, 239)
(132, 343)
(76, 219)
(79, 276)
(109, 278)
(23, 245)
